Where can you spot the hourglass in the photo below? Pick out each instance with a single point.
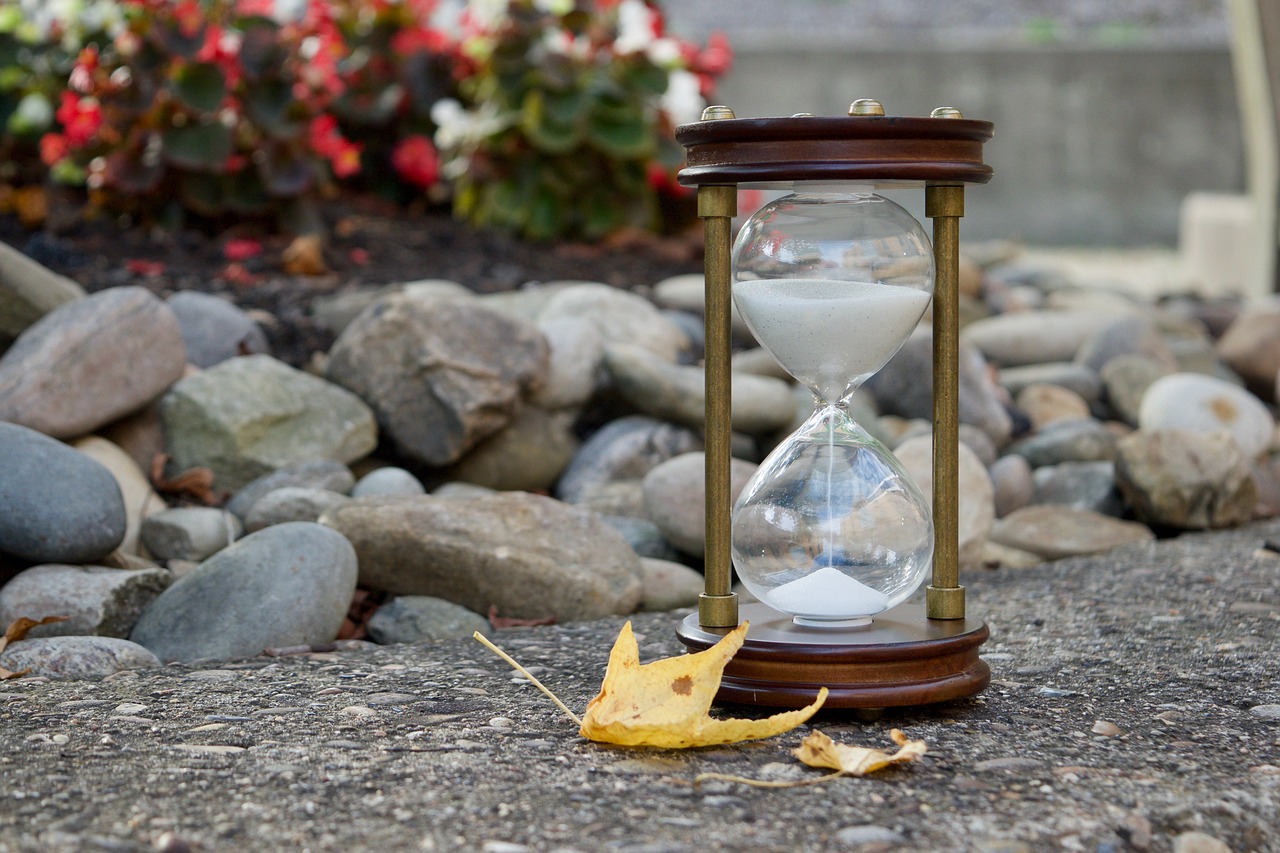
(831, 535)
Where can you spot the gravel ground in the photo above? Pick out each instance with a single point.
(1134, 698)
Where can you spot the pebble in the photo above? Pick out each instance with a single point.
(1084, 440)
(1046, 404)
(619, 315)
(321, 474)
(675, 495)
(575, 363)
(290, 503)
(1198, 842)
(624, 449)
(388, 480)
(250, 416)
(669, 585)
(1125, 380)
(76, 657)
(1012, 483)
(91, 361)
(526, 455)
(96, 600)
(286, 585)
(977, 509)
(190, 533)
(1191, 401)
(1251, 347)
(1106, 729)
(214, 329)
(528, 555)
(56, 505)
(881, 836)
(1031, 337)
(1085, 485)
(1064, 374)
(1266, 712)
(1186, 480)
(140, 499)
(1054, 532)
(423, 619)
(441, 375)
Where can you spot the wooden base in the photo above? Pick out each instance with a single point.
(902, 658)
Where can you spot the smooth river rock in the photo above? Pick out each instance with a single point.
(528, 555)
(96, 600)
(423, 619)
(56, 505)
(618, 315)
(76, 657)
(91, 361)
(1200, 403)
(623, 450)
(976, 494)
(675, 498)
(1031, 337)
(1054, 532)
(286, 585)
(250, 416)
(215, 329)
(28, 291)
(1186, 480)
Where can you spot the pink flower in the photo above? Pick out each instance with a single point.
(415, 160)
(717, 57)
(53, 148)
(346, 161)
(80, 118)
(82, 73)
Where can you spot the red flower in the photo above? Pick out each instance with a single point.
(414, 39)
(416, 161)
(80, 118)
(717, 57)
(53, 148)
(346, 162)
(189, 17)
(241, 249)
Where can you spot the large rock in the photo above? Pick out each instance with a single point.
(619, 316)
(1053, 532)
(1045, 404)
(286, 585)
(623, 450)
(1121, 336)
(668, 585)
(1251, 347)
(1031, 337)
(1184, 479)
(576, 361)
(56, 505)
(95, 600)
(76, 657)
(215, 329)
(1087, 485)
(248, 417)
(977, 510)
(761, 404)
(1199, 403)
(441, 375)
(28, 291)
(423, 619)
(91, 361)
(675, 498)
(528, 555)
(904, 387)
(528, 455)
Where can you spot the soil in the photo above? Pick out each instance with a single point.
(368, 242)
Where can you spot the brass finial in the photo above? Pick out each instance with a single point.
(946, 112)
(717, 112)
(866, 107)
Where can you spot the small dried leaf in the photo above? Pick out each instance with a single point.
(818, 750)
(16, 631)
(305, 256)
(665, 703)
(196, 482)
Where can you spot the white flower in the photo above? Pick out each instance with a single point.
(664, 53)
(554, 7)
(683, 100)
(635, 27)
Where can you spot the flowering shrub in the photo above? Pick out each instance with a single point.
(551, 117)
(569, 113)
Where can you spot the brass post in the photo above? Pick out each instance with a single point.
(718, 605)
(944, 598)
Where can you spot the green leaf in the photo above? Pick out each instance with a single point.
(546, 134)
(260, 49)
(621, 137)
(200, 147)
(546, 217)
(601, 215)
(647, 77)
(200, 86)
(268, 104)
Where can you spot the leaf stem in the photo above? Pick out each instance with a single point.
(484, 641)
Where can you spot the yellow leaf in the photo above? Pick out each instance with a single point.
(818, 750)
(665, 703)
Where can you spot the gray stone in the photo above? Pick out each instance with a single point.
(250, 416)
(528, 555)
(687, 292)
(976, 440)
(904, 387)
(1031, 337)
(976, 495)
(624, 449)
(441, 376)
(575, 363)
(91, 361)
(28, 291)
(644, 537)
(462, 491)
(95, 600)
(1086, 485)
(286, 585)
(675, 498)
(1199, 403)
(423, 619)
(1054, 532)
(526, 455)
(56, 505)
(1067, 374)
(880, 836)
(337, 311)
(76, 657)
(678, 393)
(317, 474)
(1187, 480)
(1251, 347)
(1012, 482)
(214, 329)
(190, 532)
(1125, 380)
(1122, 336)
(388, 481)
(1266, 712)
(669, 585)
(1067, 441)
(619, 316)
(1198, 842)
(291, 503)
